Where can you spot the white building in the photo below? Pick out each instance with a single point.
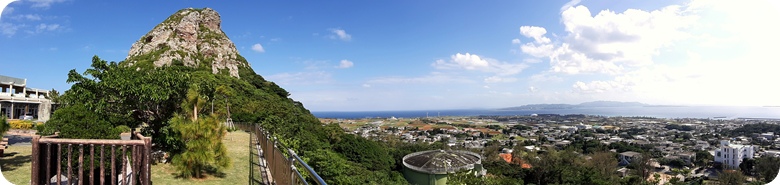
(18, 101)
(731, 155)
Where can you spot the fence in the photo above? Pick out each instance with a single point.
(281, 164)
(129, 161)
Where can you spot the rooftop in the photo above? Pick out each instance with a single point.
(630, 153)
(12, 80)
(441, 161)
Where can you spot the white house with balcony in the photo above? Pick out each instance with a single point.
(731, 155)
(17, 100)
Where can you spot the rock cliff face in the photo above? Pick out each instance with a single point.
(189, 37)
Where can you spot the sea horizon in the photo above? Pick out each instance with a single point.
(705, 112)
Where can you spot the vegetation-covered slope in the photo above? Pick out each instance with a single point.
(175, 75)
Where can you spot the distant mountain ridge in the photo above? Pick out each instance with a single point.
(581, 105)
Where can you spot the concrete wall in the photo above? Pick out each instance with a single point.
(420, 178)
(44, 110)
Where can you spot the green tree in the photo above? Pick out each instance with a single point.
(703, 158)
(129, 96)
(204, 151)
(54, 96)
(641, 166)
(202, 137)
(730, 177)
(604, 165)
(372, 155)
(746, 166)
(766, 168)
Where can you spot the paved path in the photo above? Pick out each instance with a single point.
(263, 164)
(18, 139)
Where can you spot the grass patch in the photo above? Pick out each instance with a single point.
(237, 144)
(16, 164)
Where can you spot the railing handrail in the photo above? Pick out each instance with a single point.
(308, 168)
(90, 141)
(291, 157)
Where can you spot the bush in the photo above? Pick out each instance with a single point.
(4, 126)
(37, 124)
(78, 122)
(41, 130)
(122, 129)
(21, 124)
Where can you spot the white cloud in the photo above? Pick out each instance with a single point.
(366, 85)
(569, 5)
(343, 64)
(338, 33)
(544, 77)
(433, 78)
(43, 27)
(532, 89)
(9, 29)
(45, 4)
(301, 78)
(537, 33)
(498, 79)
(596, 86)
(474, 62)
(609, 42)
(258, 48)
(515, 41)
(29, 17)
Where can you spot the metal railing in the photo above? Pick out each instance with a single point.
(117, 162)
(283, 166)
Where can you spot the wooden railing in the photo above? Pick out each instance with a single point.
(96, 161)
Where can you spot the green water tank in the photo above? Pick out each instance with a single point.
(431, 167)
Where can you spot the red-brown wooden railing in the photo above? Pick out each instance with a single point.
(118, 161)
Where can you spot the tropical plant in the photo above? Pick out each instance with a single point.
(204, 150)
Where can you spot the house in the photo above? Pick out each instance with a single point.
(687, 157)
(627, 157)
(731, 155)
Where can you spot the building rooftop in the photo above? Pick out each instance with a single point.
(630, 153)
(12, 80)
(441, 161)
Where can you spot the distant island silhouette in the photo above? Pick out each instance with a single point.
(583, 105)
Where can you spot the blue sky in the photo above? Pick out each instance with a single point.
(416, 55)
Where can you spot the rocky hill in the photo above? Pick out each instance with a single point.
(190, 37)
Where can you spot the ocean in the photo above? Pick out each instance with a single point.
(719, 112)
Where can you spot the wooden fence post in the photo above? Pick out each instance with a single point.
(148, 160)
(35, 151)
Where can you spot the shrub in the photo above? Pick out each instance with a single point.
(36, 125)
(78, 122)
(21, 124)
(122, 129)
(41, 130)
(204, 147)
(4, 126)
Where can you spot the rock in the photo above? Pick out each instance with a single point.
(189, 37)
